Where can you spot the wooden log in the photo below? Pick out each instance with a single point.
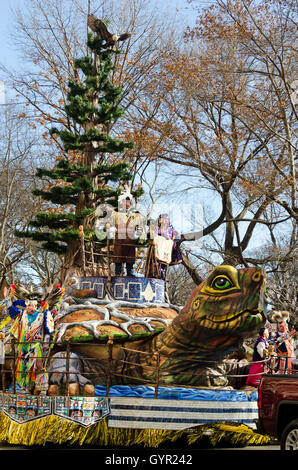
(82, 238)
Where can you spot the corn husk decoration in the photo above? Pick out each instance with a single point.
(234, 433)
(53, 429)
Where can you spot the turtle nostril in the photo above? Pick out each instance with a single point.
(256, 277)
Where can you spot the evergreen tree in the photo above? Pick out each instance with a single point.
(93, 105)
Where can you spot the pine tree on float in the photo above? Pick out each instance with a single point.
(92, 178)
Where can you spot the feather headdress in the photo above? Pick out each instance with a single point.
(280, 316)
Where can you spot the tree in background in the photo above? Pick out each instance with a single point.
(92, 169)
(222, 116)
(17, 150)
(265, 104)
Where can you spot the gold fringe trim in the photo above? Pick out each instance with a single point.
(234, 433)
(53, 429)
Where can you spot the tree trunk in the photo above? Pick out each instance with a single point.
(72, 260)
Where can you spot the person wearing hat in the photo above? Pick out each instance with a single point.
(129, 225)
(284, 345)
(30, 329)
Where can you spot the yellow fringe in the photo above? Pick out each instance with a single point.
(233, 432)
(53, 429)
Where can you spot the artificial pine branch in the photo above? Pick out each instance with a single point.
(46, 219)
(77, 142)
(55, 198)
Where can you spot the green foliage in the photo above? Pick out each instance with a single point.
(120, 172)
(138, 193)
(106, 143)
(85, 64)
(59, 221)
(63, 171)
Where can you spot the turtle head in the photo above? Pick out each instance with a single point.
(230, 301)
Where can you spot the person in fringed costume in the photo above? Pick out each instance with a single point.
(32, 325)
(284, 345)
(260, 353)
(125, 246)
(129, 225)
(31, 330)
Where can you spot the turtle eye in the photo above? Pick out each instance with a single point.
(221, 283)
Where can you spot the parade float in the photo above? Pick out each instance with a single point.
(103, 358)
(115, 369)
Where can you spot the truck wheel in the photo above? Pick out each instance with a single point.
(289, 438)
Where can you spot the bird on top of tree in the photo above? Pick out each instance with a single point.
(99, 27)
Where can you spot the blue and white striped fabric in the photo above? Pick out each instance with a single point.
(144, 413)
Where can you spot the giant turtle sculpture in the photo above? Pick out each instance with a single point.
(185, 347)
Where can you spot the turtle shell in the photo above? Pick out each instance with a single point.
(89, 322)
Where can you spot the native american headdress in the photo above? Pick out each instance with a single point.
(280, 316)
(125, 194)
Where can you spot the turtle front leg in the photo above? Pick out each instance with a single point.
(58, 373)
(88, 387)
(89, 390)
(73, 390)
(53, 390)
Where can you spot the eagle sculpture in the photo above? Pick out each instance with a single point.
(98, 27)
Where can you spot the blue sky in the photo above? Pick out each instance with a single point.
(8, 52)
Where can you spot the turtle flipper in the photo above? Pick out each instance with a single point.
(58, 374)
